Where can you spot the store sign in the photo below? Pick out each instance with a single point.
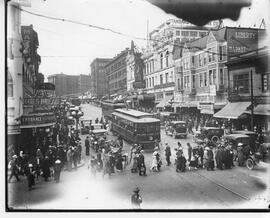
(38, 101)
(241, 41)
(34, 119)
(205, 106)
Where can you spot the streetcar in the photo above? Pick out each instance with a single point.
(108, 107)
(136, 127)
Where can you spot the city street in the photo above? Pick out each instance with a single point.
(200, 189)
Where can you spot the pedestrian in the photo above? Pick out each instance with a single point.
(219, 158)
(14, 168)
(240, 154)
(136, 199)
(180, 163)
(210, 159)
(194, 161)
(133, 162)
(168, 154)
(30, 173)
(57, 169)
(201, 154)
(79, 152)
(87, 146)
(154, 166)
(69, 158)
(46, 168)
(118, 161)
(93, 165)
(141, 164)
(189, 151)
(75, 157)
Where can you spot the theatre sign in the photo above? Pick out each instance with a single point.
(241, 40)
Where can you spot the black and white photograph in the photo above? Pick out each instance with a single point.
(136, 105)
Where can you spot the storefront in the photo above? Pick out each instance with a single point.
(36, 132)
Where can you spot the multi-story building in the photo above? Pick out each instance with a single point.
(70, 84)
(14, 75)
(201, 74)
(84, 83)
(249, 79)
(98, 77)
(159, 72)
(116, 74)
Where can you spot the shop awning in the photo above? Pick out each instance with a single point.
(36, 125)
(164, 102)
(261, 109)
(232, 110)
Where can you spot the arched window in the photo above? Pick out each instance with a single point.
(167, 59)
(9, 85)
(161, 61)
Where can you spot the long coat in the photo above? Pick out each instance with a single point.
(46, 168)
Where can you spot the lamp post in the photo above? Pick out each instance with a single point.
(76, 114)
(171, 101)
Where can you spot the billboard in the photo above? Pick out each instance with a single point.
(241, 40)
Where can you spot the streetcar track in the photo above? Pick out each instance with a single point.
(202, 192)
(222, 186)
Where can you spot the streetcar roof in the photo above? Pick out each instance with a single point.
(136, 120)
(133, 113)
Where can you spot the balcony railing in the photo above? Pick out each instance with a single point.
(164, 85)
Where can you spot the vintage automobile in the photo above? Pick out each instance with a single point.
(85, 127)
(211, 133)
(98, 130)
(253, 138)
(176, 128)
(260, 157)
(234, 139)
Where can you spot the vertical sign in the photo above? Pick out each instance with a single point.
(241, 40)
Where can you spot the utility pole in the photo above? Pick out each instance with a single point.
(252, 101)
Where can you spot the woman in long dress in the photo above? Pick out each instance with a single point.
(154, 162)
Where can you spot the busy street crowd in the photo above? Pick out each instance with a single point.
(106, 157)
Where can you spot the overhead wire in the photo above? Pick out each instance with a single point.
(181, 45)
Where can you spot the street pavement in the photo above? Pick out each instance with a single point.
(195, 189)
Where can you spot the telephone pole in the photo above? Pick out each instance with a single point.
(252, 101)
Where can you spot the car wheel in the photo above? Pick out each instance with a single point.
(250, 164)
(214, 139)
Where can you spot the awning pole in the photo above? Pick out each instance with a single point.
(252, 101)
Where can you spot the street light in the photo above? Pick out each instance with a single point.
(76, 114)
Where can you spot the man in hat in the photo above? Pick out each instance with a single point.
(210, 159)
(14, 168)
(168, 154)
(57, 169)
(30, 173)
(141, 164)
(87, 146)
(136, 199)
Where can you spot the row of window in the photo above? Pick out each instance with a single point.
(200, 60)
(116, 75)
(186, 33)
(117, 65)
(152, 81)
(203, 79)
(118, 84)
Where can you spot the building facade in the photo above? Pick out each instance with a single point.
(14, 75)
(98, 77)
(70, 84)
(249, 79)
(201, 74)
(159, 71)
(116, 74)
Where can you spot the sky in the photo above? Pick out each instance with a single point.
(70, 48)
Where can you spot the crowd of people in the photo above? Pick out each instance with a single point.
(64, 153)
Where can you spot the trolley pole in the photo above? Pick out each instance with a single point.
(252, 101)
